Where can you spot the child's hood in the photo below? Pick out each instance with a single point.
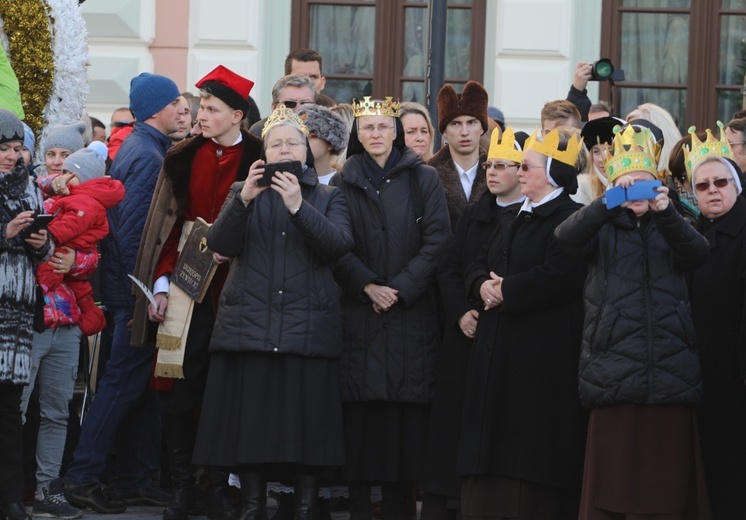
(107, 191)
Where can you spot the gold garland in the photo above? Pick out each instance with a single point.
(28, 28)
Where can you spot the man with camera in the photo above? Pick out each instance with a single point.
(193, 183)
(601, 70)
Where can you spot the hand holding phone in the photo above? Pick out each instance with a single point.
(643, 190)
(294, 167)
(40, 222)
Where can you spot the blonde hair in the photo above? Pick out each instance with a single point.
(661, 118)
(410, 107)
(560, 110)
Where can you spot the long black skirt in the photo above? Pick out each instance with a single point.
(270, 409)
(385, 441)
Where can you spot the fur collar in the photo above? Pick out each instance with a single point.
(455, 197)
(177, 166)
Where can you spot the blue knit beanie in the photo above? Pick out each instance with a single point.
(150, 93)
(29, 140)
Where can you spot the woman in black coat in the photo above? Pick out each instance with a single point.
(523, 429)
(390, 327)
(439, 481)
(272, 398)
(718, 295)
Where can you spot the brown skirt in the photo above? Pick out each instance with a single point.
(486, 497)
(643, 462)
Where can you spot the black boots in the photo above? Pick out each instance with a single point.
(219, 506)
(360, 506)
(306, 496)
(14, 511)
(179, 432)
(253, 496)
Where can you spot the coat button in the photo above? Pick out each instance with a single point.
(279, 292)
(388, 180)
(283, 233)
(527, 218)
(275, 349)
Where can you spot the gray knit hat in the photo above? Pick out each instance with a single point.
(86, 164)
(11, 128)
(325, 124)
(67, 137)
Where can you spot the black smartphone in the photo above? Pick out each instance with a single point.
(40, 222)
(294, 167)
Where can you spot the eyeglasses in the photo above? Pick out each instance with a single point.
(291, 104)
(498, 166)
(292, 143)
(734, 144)
(526, 167)
(705, 185)
(369, 129)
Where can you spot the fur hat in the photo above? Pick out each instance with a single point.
(151, 93)
(229, 87)
(87, 163)
(325, 124)
(11, 128)
(67, 137)
(471, 102)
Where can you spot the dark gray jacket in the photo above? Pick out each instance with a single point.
(638, 344)
(391, 356)
(280, 294)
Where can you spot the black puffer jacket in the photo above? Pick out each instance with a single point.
(280, 294)
(638, 344)
(391, 356)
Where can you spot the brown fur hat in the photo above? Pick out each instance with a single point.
(471, 102)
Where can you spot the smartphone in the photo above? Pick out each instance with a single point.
(643, 190)
(294, 167)
(615, 197)
(40, 222)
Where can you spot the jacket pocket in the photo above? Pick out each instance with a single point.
(607, 318)
(687, 325)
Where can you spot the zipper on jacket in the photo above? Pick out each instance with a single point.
(648, 311)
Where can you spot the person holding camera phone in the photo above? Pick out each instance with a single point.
(639, 370)
(272, 402)
(20, 198)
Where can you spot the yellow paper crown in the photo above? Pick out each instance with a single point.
(504, 148)
(710, 147)
(549, 147)
(367, 107)
(632, 150)
(284, 116)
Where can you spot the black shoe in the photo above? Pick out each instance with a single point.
(148, 495)
(178, 508)
(54, 505)
(14, 511)
(92, 494)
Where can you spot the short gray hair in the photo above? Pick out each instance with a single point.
(292, 80)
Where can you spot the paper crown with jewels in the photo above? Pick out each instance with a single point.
(368, 107)
(710, 147)
(549, 147)
(284, 116)
(632, 150)
(504, 147)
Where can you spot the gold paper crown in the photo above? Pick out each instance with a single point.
(549, 147)
(504, 148)
(631, 151)
(284, 116)
(700, 150)
(367, 107)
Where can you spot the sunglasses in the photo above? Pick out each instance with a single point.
(498, 166)
(292, 104)
(705, 185)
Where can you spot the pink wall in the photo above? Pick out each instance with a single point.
(170, 48)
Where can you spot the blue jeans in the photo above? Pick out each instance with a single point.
(55, 358)
(123, 412)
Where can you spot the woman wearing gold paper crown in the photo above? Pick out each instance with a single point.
(272, 397)
(390, 329)
(639, 371)
(523, 429)
(495, 208)
(718, 293)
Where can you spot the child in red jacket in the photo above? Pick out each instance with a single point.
(79, 224)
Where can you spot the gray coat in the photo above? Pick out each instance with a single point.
(280, 295)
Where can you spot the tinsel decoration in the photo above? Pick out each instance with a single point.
(27, 27)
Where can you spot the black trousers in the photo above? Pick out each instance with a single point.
(11, 444)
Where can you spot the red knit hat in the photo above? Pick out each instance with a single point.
(228, 86)
(472, 102)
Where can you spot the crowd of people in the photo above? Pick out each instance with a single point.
(479, 327)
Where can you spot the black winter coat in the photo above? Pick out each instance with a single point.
(474, 229)
(391, 356)
(638, 340)
(280, 294)
(522, 417)
(718, 293)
